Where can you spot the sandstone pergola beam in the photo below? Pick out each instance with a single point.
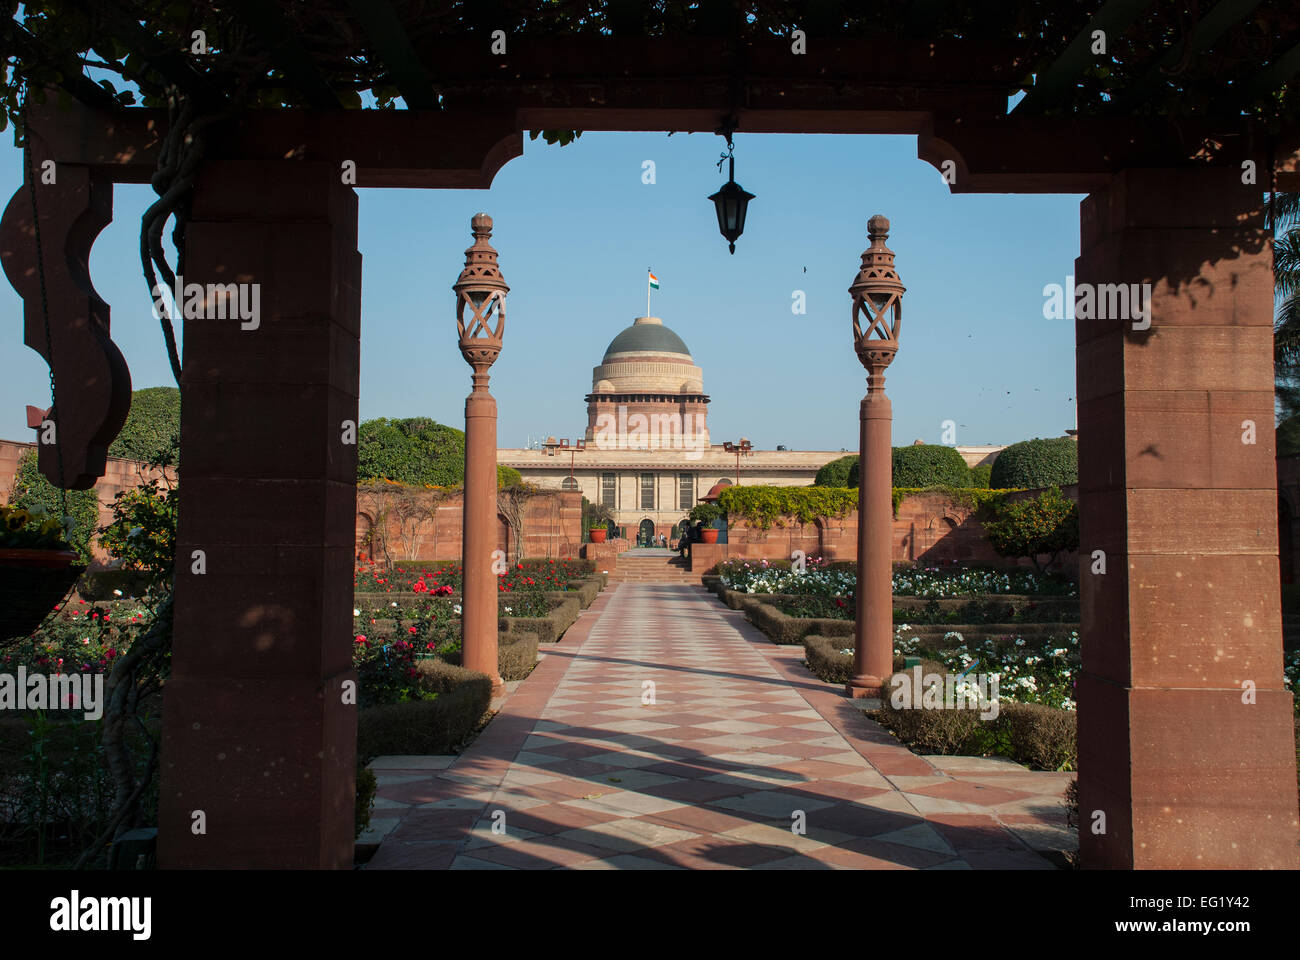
(1207, 30)
(385, 30)
(1113, 18)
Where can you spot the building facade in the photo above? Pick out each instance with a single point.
(648, 454)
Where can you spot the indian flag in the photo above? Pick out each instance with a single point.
(654, 281)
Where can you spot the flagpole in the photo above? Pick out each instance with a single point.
(647, 291)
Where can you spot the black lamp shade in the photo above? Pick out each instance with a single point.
(731, 204)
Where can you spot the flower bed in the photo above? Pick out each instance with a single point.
(819, 578)
(1033, 665)
(81, 638)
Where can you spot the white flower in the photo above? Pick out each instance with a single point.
(356, 612)
(456, 609)
(117, 593)
(508, 610)
(1059, 652)
(393, 604)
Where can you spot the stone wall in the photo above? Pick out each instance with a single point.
(421, 523)
(930, 528)
(407, 523)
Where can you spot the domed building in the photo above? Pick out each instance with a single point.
(647, 372)
(648, 454)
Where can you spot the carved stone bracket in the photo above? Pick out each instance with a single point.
(91, 378)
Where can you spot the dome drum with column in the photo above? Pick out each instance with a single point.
(647, 370)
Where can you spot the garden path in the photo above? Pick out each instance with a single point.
(577, 771)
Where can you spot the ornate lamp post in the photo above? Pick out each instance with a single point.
(482, 291)
(877, 300)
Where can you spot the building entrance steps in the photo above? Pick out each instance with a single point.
(665, 732)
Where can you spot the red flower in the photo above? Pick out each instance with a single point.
(361, 637)
(412, 629)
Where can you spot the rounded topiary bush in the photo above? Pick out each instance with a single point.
(153, 427)
(508, 477)
(979, 476)
(925, 465)
(836, 473)
(1032, 464)
(416, 450)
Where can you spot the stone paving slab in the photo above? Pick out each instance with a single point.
(665, 732)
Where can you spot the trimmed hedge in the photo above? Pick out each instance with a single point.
(999, 608)
(516, 655)
(1038, 736)
(827, 662)
(587, 590)
(416, 450)
(836, 473)
(549, 628)
(427, 727)
(153, 427)
(1032, 464)
(785, 629)
(928, 465)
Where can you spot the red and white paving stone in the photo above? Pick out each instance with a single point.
(665, 732)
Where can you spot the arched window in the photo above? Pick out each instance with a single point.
(569, 484)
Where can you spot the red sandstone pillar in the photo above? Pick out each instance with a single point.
(877, 298)
(482, 290)
(1186, 757)
(873, 639)
(259, 732)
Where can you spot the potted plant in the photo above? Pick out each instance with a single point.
(36, 569)
(710, 513)
(596, 518)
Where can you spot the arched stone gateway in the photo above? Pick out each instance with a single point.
(1165, 741)
(645, 531)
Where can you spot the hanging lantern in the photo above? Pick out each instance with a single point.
(732, 201)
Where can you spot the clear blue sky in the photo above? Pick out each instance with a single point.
(576, 229)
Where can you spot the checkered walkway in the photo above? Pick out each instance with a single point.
(664, 732)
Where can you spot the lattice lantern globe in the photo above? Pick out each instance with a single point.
(481, 299)
(877, 301)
